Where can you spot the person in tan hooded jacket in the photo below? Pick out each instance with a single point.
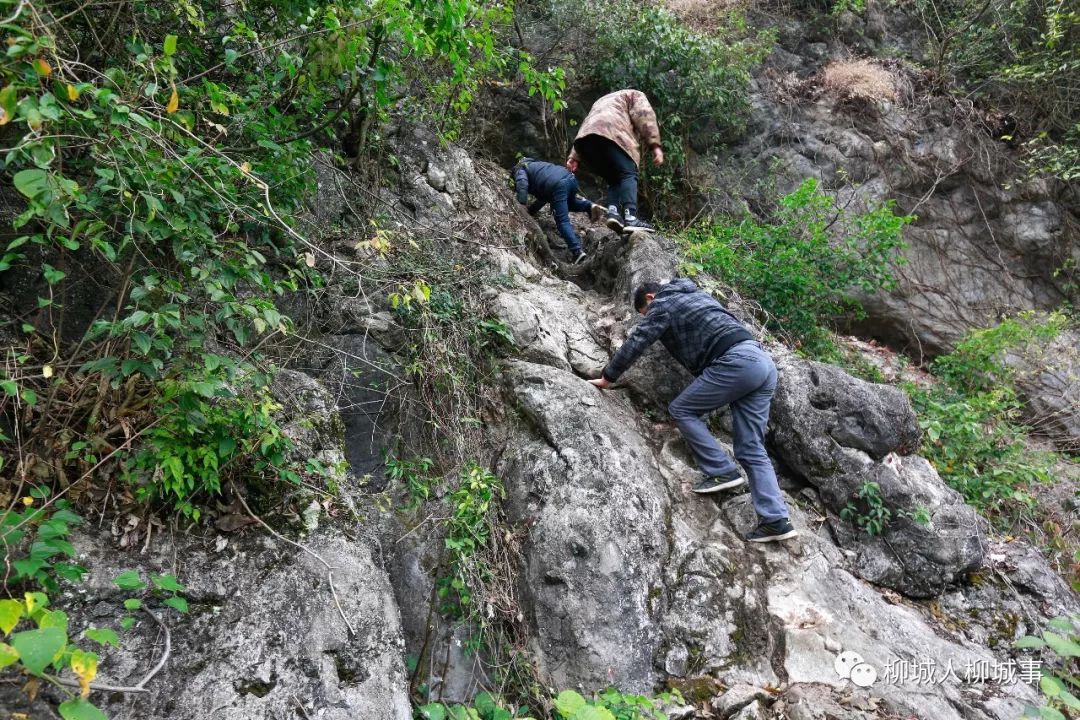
(609, 142)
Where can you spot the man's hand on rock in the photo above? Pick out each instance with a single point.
(601, 382)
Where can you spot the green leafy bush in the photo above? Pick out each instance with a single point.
(972, 419)
(978, 363)
(206, 434)
(415, 475)
(869, 512)
(1058, 682)
(697, 81)
(976, 443)
(484, 707)
(800, 266)
(164, 157)
(1022, 57)
(35, 542)
(611, 704)
(43, 651)
(468, 531)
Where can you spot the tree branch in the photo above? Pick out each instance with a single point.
(139, 687)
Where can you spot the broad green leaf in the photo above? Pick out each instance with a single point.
(129, 580)
(500, 714)
(54, 619)
(38, 648)
(177, 603)
(1063, 624)
(10, 612)
(593, 713)
(81, 709)
(31, 182)
(103, 636)
(51, 274)
(1030, 641)
(170, 45)
(8, 103)
(167, 583)
(1063, 646)
(1049, 713)
(484, 703)
(133, 603)
(69, 572)
(8, 655)
(66, 516)
(1051, 686)
(35, 602)
(569, 702)
(1069, 699)
(434, 711)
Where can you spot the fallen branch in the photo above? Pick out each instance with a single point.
(312, 553)
(139, 687)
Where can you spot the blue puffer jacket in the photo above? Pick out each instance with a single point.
(692, 325)
(537, 177)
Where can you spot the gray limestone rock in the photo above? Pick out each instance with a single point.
(263, 635)
(550, 324)
(839, 433)
(585, 483)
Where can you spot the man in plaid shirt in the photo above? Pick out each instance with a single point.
(730, 368)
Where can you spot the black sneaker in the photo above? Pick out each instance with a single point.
(771, 531)
(717, 483)
(578, 257)
(613, 220)
(632, 222)
(596, 212)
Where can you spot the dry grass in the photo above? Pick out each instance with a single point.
(703, 15)
(859, 79)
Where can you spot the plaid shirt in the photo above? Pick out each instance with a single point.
(692, 325)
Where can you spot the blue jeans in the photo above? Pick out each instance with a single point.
(745, 378)
(564, 200)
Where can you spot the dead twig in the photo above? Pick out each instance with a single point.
(312, 553)
(139, 687)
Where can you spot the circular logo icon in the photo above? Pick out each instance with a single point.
(863, 675)
(845, 661)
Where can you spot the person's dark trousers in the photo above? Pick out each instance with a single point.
(605, 158)
(564, 200)
(745, 378)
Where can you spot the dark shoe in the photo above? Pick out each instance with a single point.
(613, 220)
(771, 531)
(596, 212)
(632, 222)
(717, 483)
(578, 257)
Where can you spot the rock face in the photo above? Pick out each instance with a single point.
(1049, 382)
(532, 313)
(586, 484)
(987, 240)
(628, 577)
(263, 637)
(839, 433)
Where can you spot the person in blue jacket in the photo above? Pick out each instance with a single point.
(730, 368)
(550, 183)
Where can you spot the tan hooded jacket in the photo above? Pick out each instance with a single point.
(626, 118)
